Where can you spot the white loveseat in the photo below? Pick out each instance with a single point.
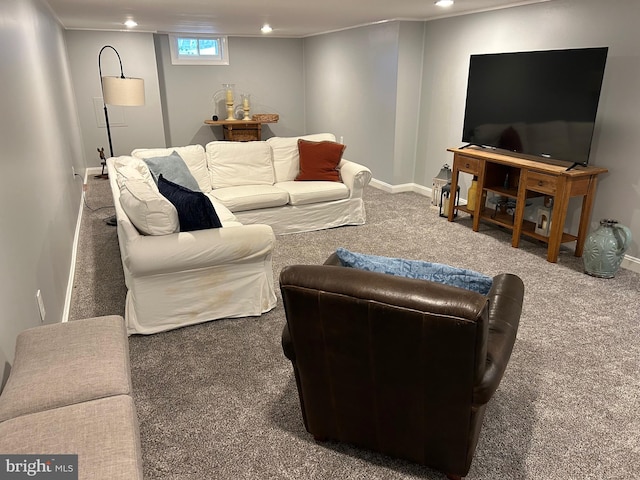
(176, 278)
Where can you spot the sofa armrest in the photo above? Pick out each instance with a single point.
(152, 255)
(505, 306)
(354, 176)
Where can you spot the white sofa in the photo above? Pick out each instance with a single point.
(179, 278)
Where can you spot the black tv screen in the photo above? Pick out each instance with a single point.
(540, 103)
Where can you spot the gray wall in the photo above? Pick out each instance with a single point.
(549, 25)
(40, 140)
(351, 91)
(142, 125)
(410, 71)
(270, 69)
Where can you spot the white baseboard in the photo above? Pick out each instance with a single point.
(74, 254)
(92, 171)
(628, 262)
(403, 187)
(631, 263)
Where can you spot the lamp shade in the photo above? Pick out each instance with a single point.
(127, 92)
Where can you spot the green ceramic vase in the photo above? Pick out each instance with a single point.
(604, 248)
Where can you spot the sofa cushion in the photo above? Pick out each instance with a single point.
(147, 209)
(173, 168)
(252, 197)
(286, 158)
(195, 211)
(193, 156)
(303, 193)
(224, 214)
(434, 272)
(90, 355)
(319, 160)
(103, 433)
(233, 164)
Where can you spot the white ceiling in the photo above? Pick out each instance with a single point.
(288, 18)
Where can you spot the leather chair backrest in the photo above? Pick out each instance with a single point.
(384, 362)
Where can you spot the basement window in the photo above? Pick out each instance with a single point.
(198, 50)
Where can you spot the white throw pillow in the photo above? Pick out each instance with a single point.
(233, 164)
(148, 210)
(286, 160)
(193, 156)
(132, 168)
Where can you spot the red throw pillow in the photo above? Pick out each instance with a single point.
(319, 160)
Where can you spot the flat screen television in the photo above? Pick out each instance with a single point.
(541, 103)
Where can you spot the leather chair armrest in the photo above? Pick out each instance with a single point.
(287, 344)
(505, 306)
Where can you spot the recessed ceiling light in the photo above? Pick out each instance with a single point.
(266, 28)
(131, 23)
(444, 3)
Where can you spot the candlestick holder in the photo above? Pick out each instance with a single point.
(228, 88)
(246, 107)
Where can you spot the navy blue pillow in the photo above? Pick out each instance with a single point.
(195, 211)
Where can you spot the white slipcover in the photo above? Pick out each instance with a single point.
(183, 278)
(192, 277)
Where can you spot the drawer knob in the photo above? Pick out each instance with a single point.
(540, 183)
(467, 166)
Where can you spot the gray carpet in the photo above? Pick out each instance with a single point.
(218, 400)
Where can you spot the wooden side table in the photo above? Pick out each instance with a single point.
(239, 130)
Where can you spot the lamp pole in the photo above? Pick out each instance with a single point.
(106, 113)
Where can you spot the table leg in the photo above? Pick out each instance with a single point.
(585, 216)
(558, 217)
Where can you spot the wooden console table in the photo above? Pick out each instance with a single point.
(518, 179)
(239, 130)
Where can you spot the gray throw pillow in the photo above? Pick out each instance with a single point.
(174, 169)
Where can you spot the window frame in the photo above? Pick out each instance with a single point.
(177, 59)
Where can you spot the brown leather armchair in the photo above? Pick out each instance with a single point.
(401, 366)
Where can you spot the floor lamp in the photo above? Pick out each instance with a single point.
(121, 91)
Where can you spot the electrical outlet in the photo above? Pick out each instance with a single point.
(40, 306)
(341, 139)
(73, 172)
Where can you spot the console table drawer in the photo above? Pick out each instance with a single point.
(468, 165)
(540, 182)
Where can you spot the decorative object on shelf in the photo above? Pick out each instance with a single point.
(471, 193)
(439, 181)
(266, 117)
(543, 221)
(229, 99)
(246, 105)
(604, 248)
(504, 206)
(445, 198)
